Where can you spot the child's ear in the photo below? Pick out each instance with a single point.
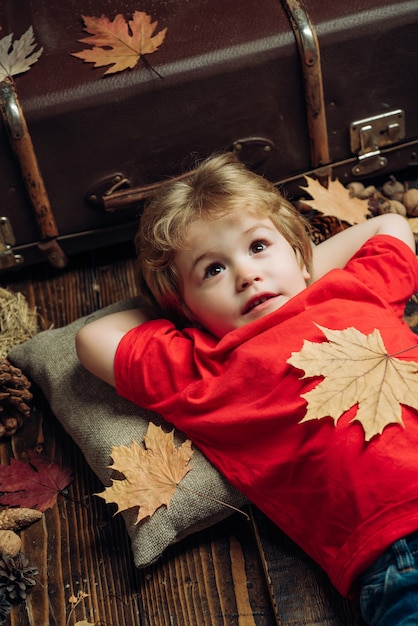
(306, 275)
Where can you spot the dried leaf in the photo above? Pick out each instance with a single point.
(151, 473)
(336, 201)
(119, 44)
(17, 57)
(413, 224)
(357, 370)
(35, 484)
(75, 601)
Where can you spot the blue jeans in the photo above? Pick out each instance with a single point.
(389, 588)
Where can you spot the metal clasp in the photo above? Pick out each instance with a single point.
(369, 135)
(7, 240)
(12, 116)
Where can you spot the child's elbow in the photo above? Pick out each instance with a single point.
(397, 226)
(82, 344)
(96, 352)
(86, 348)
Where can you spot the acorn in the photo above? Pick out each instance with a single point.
(410, 200)
(10, 542)
(15, 519)
(394, 206)
(394, 189)
(368, 192)
(355, 189)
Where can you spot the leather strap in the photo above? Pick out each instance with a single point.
(252, 151)
(22, 145)
(308, 45)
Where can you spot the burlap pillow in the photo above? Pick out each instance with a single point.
(97, 419)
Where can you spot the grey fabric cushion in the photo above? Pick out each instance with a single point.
(97, 419)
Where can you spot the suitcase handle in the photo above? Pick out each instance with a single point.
(115, 193)
(22, 145)
(308, 45)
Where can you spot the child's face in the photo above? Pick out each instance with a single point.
(238, 269)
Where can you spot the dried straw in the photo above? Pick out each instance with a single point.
(17, 321)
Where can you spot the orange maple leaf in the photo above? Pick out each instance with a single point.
(119, 43)
(335, 200)
(357, 370)
(151, 473)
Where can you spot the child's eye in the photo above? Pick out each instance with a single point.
(258, 246)
(213, 270)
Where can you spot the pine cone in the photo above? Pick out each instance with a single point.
(5, 608)
(14, 398)
(16, 578)
(18, 518)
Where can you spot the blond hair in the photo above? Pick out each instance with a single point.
(218, 185)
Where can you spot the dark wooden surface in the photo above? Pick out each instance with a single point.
(236, 573)
(300, 590)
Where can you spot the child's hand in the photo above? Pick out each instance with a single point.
(337, 250)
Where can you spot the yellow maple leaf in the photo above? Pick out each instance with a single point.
(336, 201)
(357, 370)
(118, 43)
(151, 473)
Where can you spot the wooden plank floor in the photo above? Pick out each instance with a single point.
(213, 578)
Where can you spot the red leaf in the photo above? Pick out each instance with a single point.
(34, 484)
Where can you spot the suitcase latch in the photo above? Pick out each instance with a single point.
(7, 257)
(369, 135)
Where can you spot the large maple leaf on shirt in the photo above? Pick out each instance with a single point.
(151, 474)
(357, 370)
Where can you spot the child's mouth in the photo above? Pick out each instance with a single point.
(256, 302)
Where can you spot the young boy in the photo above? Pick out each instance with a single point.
(229, 259)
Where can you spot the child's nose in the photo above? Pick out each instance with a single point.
(245, 279)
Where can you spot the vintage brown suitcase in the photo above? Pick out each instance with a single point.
(290, 88)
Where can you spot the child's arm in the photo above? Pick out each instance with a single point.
(96, 342)
(337, 250)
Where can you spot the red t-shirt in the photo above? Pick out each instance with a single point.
(342, 499)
